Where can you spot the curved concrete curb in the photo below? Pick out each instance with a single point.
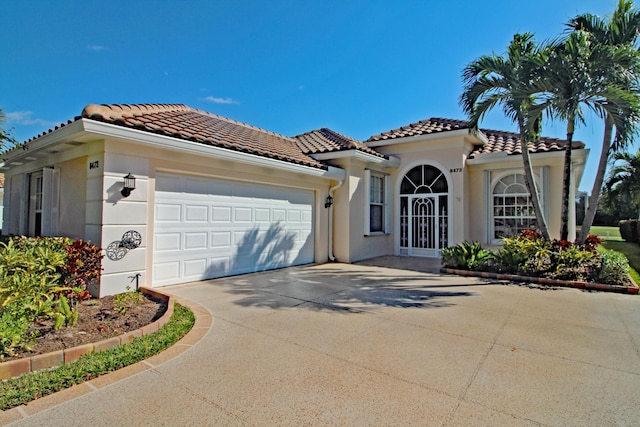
(14, 368)
(544, 281)
(202, 325)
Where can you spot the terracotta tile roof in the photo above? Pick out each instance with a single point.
(325, 140)
(423, 127)
(183, 122)
(499, 141)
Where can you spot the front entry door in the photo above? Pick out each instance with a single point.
(424, 224)
(424, 212)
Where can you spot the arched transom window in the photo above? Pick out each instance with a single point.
(512, 208)
(424, 179)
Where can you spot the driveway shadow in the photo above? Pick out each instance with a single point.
(354, 290)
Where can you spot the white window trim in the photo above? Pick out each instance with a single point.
(367, 203)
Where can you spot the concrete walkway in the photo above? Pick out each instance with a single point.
(340, 344)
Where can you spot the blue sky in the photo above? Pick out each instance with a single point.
(359, 68)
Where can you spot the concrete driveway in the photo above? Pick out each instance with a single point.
(340, 344)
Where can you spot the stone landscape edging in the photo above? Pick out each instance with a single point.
(544, 281)
(14, 368)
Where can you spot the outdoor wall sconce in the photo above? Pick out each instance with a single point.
(329, 202)
(129, 185)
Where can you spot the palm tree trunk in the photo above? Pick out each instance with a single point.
(566, 184)
(532, 188)
(594, 197)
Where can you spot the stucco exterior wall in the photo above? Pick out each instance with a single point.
(446, 154)
(136, 212)
(350, 242)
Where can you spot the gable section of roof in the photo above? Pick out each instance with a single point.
(186, 123)
(423, 127)
(498, 141)
(326, 140)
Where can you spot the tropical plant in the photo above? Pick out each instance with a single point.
(466, 255)
(510, 81)
(619, 32)
(624, 178)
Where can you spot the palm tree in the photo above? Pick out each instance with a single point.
(508, 81)
(6, 136)
(624, 178)
(583, 74)
(621, 31)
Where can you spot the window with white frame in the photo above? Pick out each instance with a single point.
(513, 211)
(376, 210)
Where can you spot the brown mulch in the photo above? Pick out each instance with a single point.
(97, 320)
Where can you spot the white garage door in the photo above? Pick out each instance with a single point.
(207, 228)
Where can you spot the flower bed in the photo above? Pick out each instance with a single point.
(529, 257)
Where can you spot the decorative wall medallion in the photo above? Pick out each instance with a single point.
(118, 249)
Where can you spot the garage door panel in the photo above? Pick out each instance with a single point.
(221, 214)
(220, 239)
(167, 242)
(168, 212)
(196, 240)
(169, 272)
(262, 215)
(212, 228)
(195, 268)
(242, 214)
(278, 215)
(196, 213)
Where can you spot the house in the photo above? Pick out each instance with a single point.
(174, 194)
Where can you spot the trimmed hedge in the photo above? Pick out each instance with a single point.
(630, 230)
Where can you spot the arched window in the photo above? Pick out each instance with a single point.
(424, 179)
(512, 208)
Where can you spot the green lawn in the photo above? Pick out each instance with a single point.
(631, 251)
(605, 232)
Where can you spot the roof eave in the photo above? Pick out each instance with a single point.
(389, 161)
(190, 147)
(65, 135)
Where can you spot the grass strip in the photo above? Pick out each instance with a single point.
(33, 385)
(631, 251)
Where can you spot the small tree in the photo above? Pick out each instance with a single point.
(6, 136)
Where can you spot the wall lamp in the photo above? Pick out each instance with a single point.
(129, 185)
(329, 202)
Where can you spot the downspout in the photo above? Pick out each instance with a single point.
(332, 258)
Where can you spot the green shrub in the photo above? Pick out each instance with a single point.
(466, 255)
(630, 230)
(14, 330)
(45, 277)
(614, 267)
